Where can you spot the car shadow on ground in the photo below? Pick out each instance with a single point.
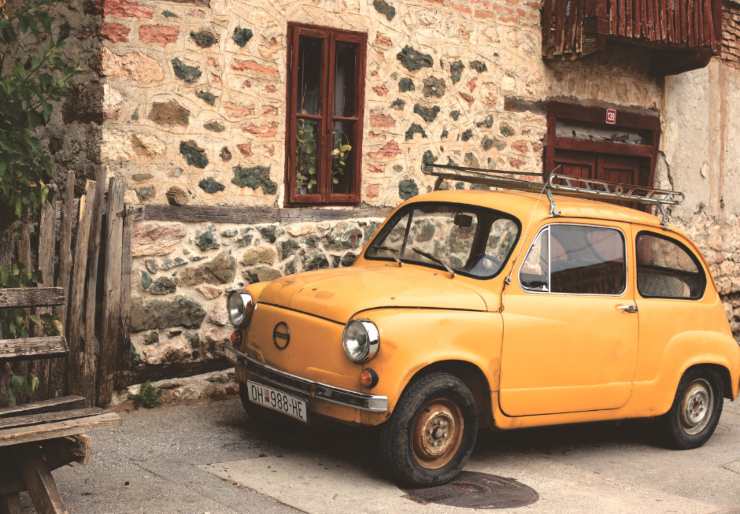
(357, 446)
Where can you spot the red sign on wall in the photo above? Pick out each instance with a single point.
(611, 116)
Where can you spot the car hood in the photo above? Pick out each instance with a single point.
(337, 294)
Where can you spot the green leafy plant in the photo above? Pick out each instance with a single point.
(340, 157)
(18, 322)
(147, 397)
(307, 177)
(16, 389)
(35, 76)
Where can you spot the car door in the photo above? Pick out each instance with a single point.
(570, 328)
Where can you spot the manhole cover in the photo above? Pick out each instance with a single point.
(477, 491)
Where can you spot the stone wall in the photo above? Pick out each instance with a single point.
(195, 97)
(182, 273)
(195, 91)
(700, 157)
(74, 132)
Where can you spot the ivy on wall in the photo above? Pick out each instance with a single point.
(35, 76)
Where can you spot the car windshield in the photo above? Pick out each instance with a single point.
(469, 240)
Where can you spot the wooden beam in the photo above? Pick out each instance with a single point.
(55, 404)
(76, 317)
(48, 417)
(255, 215)
(40, 484)
(56, 453)
(32, 348)
(31, 297)
(89, 366)
(22, 435)
(10, 504)
(111, 329)
(69, 220)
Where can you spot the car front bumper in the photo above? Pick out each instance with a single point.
(268, 375)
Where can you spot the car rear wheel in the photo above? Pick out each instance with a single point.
(696, 410)
(431, 433)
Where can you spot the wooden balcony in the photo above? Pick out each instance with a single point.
(680, 34)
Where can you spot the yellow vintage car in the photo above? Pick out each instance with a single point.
(529, 306)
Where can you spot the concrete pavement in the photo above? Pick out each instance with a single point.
(208, 457)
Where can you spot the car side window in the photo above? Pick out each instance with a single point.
(667, 269)
(576, 259)
(535, 272)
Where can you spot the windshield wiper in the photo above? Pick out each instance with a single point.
(437, 260)
(393, 252)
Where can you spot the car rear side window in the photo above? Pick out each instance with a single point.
(667, 269)
(576, 259)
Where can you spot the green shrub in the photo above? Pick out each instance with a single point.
(147, 397)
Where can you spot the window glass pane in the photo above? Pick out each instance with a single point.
(535, 273)
(666, 269)
(472, 241)
(307, 156)
(587, 260)
(345, 79)
(390, 241)
(310, 66)
(443, 232)
(501, 240)
(343, 157)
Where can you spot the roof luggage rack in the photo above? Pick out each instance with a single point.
(557, 183)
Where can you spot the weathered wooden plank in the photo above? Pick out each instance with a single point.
(254, 215)
(31, 297)
(69, 221)
(48, 417)
(89, 367)
(22, 435)
(46, 250)
(708, 24)
(32, 347)
(56, 453)
(25, 256)
(76, 318)
(111, 329)
(124, 360)
(54, 404)
(613, 17)
(10, 504)
(40, 484)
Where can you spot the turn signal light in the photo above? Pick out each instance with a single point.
(368, 378)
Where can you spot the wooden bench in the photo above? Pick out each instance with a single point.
(36, 438)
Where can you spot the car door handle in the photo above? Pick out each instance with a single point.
(630, 308)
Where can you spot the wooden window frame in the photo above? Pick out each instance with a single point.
(595, 117)
(326, 118)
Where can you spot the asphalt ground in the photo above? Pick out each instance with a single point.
(210, 457)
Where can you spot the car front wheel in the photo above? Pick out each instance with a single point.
(431, 433)
(696, 410)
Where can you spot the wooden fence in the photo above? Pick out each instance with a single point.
(83, 246)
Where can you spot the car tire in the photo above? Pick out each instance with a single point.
(431, 433)
(696, 410)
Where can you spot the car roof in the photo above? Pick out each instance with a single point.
(529, 207)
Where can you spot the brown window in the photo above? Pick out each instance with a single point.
(582, 144)
(325, 106)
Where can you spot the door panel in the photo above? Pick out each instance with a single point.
(576, 164)
(565, 352)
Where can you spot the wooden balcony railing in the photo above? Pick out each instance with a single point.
(687, 32)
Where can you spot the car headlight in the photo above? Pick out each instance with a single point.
(240, 306)
(360, 340)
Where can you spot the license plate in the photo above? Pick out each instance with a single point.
(277, 400)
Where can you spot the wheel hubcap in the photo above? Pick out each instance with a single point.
(437, 433)
(697, 406)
